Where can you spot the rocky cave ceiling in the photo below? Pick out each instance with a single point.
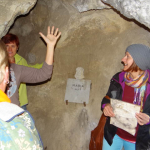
(133, 9)
(10, 9)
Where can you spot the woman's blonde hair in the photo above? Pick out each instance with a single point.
(3, 60)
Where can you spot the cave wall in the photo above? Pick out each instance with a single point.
(95, 40)
(136, 9)
(12, 9)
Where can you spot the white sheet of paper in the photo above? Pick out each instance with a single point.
(124, 115)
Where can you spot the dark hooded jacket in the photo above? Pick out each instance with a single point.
(115, 91)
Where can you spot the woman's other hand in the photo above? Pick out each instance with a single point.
(108, 111)
(142, 118)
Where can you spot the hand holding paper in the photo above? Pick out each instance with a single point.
(124, 115)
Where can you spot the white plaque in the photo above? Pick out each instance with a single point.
(124, 115)
(77, 91)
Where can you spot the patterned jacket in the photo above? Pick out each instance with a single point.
(17, 129)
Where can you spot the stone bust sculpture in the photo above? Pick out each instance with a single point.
(79, 73)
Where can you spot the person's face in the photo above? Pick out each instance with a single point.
(11, 49)
(127, 60)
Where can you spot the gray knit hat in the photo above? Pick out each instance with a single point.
(140, 54)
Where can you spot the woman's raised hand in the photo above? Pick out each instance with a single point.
(52, 36)
(50, 39)
(108, 111)
(142, 118)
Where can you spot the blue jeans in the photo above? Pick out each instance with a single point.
(24, 107)
(118, 144)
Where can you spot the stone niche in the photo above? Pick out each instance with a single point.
(94, 37)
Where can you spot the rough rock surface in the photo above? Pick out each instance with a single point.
(10, 10)
(27, 27)
(136, 9)
(85, 5)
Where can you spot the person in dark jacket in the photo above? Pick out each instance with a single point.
(131, 85)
